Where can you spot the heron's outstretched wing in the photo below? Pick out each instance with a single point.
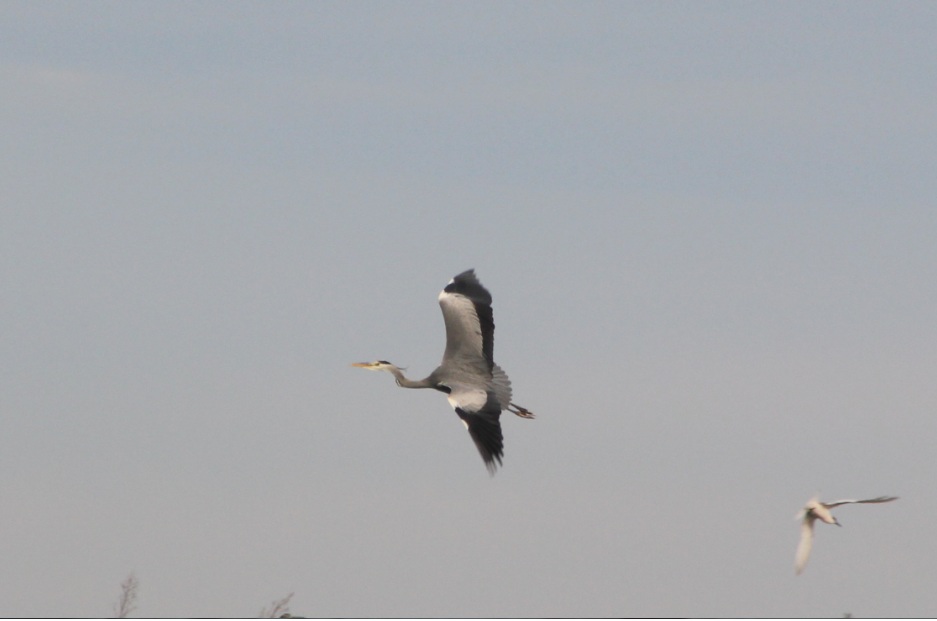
(805, 545)
(470, 327)
(830, 505)
(485, 429)
(480, 413)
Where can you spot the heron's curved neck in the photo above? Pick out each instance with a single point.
(408, 383)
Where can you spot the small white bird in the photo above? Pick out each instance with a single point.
(815, 510)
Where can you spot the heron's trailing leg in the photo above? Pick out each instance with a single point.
(520, 410)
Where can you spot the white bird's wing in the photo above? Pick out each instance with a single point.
(805, 545)
(830, 505)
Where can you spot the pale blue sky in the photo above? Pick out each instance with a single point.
(710, 234)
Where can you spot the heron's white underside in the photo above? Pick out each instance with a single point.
(467, 399)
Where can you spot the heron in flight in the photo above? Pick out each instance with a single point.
(477, 388)
(815, 510)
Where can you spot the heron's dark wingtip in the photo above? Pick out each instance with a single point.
(467, 284)
(485, 431)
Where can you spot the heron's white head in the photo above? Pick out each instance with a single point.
(378, 365)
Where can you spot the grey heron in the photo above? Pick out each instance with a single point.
(477, 388)
(815, 510)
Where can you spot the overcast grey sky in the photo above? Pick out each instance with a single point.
(710, 234)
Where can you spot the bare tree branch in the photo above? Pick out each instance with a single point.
(128, 597)
(280, 609)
